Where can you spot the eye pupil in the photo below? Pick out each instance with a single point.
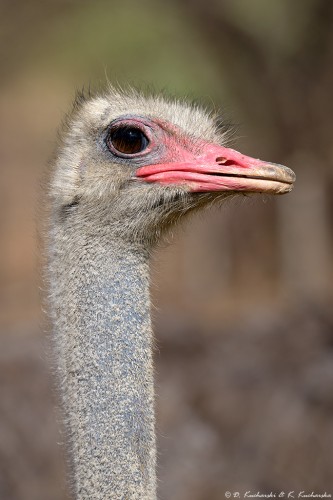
(128, 140)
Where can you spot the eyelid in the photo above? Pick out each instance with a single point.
(141, 124)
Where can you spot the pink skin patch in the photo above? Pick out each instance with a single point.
(217, 168)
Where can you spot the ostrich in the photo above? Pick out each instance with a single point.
(127, 168)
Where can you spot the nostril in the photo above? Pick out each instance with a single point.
(221, 160)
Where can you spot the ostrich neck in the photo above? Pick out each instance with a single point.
(104, 362)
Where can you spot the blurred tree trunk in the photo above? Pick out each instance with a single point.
(303, 226)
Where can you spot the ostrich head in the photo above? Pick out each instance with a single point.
(139, 163)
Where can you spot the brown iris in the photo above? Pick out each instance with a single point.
(127, 140)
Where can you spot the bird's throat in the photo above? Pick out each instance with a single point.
(104, 362)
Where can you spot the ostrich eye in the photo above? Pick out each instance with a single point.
(128, 140)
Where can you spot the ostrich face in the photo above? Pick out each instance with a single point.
(147, 157)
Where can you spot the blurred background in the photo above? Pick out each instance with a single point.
(244, 358)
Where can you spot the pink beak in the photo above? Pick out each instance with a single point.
(221, 169)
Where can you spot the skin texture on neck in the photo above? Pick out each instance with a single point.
(103, 343)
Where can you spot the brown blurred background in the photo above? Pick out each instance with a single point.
(244, 327)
